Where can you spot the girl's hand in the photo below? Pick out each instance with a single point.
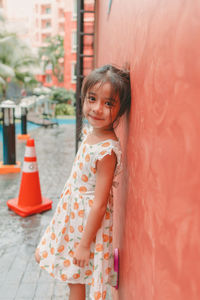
(81, 256)
(37, 256)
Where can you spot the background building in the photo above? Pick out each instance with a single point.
(60, 17)
(70, 44)
(36, 20)
(71, 41)
(2, 4)
(19, 16)
(49, 20)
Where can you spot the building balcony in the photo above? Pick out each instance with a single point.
(61, 5)
(61, 20)
(43, 2)
(46, 30)
(46, 16)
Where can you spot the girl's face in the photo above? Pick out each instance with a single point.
(99, 108)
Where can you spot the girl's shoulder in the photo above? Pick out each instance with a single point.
(98, 150)
(104, 148)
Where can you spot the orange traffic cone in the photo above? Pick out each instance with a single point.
(30, 200)
(24, 137)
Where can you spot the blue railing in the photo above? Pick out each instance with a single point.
(31, 126)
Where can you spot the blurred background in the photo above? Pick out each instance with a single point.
(46, 49)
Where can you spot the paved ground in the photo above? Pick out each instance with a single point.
(20, 276)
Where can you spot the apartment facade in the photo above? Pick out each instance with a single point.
(71, 41)
(53, 17)
(70, 45)
(49, 21)
(18, 15)
(2, 4)
(37, 20)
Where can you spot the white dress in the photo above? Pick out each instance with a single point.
(65, 230)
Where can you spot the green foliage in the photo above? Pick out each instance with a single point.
(16, 59)
(38, 91)
(61, 95)
(64, 109)
(53, 55)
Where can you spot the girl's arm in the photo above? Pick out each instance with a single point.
(104, 179)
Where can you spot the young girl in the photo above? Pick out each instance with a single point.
(77, 245)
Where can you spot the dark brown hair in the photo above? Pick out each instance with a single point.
(119, 80)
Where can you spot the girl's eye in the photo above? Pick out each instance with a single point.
(109, 103)
(91, 98)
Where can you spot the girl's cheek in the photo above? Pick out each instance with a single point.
(84, 108)
(85, 105)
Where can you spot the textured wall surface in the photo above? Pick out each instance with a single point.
(157, 208)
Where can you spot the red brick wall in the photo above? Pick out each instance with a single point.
(157, 208)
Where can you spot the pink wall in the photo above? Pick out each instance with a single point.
(159, 195)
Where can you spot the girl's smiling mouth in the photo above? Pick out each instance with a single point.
(95, 118)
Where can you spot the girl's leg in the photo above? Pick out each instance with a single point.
(77, 291)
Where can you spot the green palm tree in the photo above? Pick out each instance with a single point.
(5, 70)
(53, 55)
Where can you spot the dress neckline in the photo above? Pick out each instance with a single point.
(104, 141)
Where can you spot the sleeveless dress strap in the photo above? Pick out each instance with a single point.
(86, 129)
(106, 148)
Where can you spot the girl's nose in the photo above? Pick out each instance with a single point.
(97, 107)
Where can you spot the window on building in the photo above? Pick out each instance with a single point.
(61, 13)
(45, 36)
(74, 41)
(74, 9)
(48, 24)
(61, 27)
(73, 72)
(48, 78)
(47, 10)
(49, 67)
